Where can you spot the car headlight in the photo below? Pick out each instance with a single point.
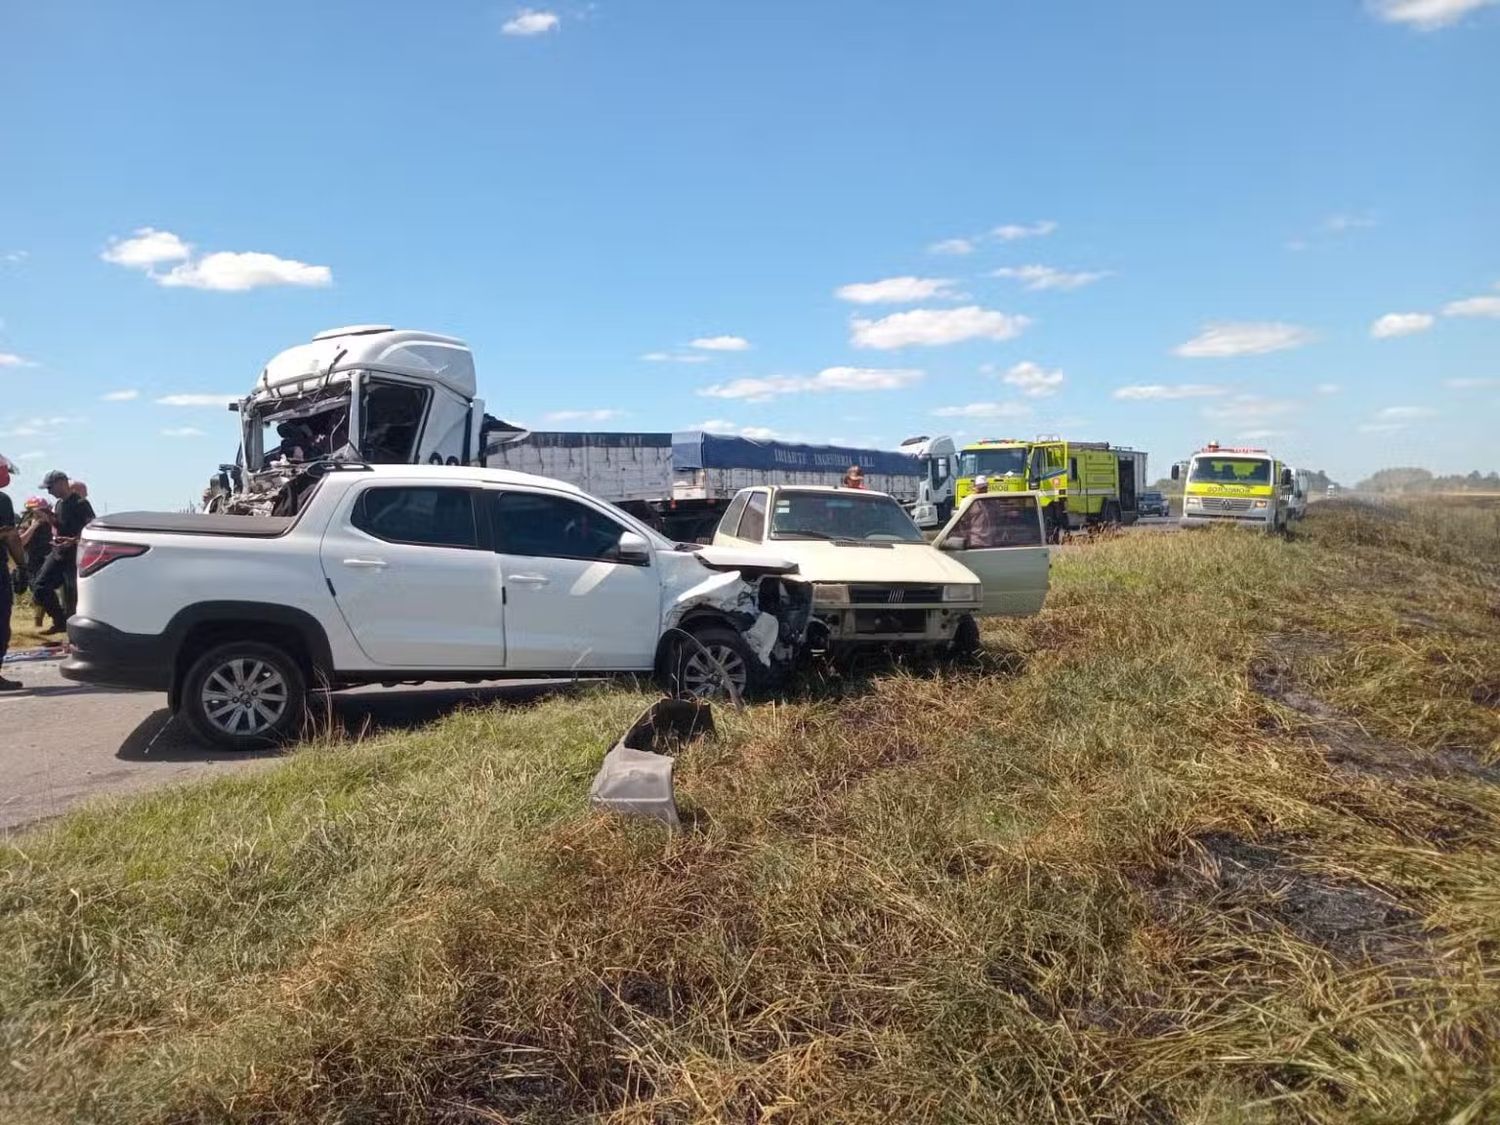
(830, 593)
(963, 592)
(1193, 502)
(1260, 504)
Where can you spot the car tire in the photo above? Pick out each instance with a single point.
(244, 695)
(965, 644)
(698, 664)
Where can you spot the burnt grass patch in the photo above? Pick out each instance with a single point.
(1344, 744)
(1262, 886)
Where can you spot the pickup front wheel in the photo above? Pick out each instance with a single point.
(244, 695)
(713, 663)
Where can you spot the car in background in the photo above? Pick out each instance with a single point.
(876, 580)
(1153, 504)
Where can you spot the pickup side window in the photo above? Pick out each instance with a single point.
(753, 522)
(430, 517)
(554, 527)
(731, 519)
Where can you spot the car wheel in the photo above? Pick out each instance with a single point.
(716, 663)
(244, 696)
(965, 642)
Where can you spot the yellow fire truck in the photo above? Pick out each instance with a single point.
(1238, 486)
(1079, 482)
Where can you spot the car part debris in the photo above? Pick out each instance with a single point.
(635, 778)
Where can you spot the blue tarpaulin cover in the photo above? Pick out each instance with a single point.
(694, 449)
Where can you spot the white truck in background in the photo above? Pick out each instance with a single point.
(380, 395)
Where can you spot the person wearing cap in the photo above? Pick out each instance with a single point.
(981, 485)
(854, 477)
(70, 515)
(14, 551)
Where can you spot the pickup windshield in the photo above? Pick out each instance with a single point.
(992, 462)
(841, 516)
(1230, 470)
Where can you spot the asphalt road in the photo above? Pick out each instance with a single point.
(65, 743)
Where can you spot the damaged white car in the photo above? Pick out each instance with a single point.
(404, 573)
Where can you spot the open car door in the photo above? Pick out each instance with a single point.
(999, 536)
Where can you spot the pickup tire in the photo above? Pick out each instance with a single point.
(244, 695)
(699, 663)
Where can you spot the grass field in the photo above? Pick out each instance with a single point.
(1216, 838)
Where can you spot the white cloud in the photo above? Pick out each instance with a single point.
(931, 327)
(1049, 277)
(1328, 388)
(182, 431)
(10, 359)
(952, 246)
(1342, 223)
(1033, 380)
(984, 410)
(196, 400)
(1470, 384)
(224, 270)
(120, 396)
(14, 257)
(1405, 413)
(720, 426)
(1400, 324)
(896, 290)
(1259, 435)
(1425, 15)
(1473, 306)
(673, 357)
(1381, 427)
(829, 379)
(1012, 231)
(1245, 408)
(1162, 391)
(147, 247)
(1225, 339)
(39, 427)
(583, 415)
(231, 272)
(529, 22)
(720, 344)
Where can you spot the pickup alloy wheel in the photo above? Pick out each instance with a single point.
(244, 695)
(715, 664)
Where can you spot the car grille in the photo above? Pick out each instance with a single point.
(895, 595)
(890, 621)
(1225, 504)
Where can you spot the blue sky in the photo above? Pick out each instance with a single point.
(1265, 222)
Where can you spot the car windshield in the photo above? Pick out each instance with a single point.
(1230, 470)
(992, 462)
(841, 516)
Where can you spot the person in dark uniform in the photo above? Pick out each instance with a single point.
(71, 514)
(16, 554)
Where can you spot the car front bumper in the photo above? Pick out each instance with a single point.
(872, 624)
(106, 656)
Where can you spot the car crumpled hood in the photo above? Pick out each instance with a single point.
(731, 558)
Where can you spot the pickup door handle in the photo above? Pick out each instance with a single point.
(367, 564)
(528, 579)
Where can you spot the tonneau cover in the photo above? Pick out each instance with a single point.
(196, 523)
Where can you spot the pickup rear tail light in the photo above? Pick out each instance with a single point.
(95, 554)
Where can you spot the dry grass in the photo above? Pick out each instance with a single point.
(1212, 839)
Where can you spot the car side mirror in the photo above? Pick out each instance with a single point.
(954, 543)
(1176, 472)
(632, 548)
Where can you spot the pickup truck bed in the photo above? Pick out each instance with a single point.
(197, 523)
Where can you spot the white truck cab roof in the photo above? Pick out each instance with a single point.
(445, 360)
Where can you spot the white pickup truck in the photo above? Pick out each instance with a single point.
(403, 573)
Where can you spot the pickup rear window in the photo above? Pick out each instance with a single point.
(431, 517)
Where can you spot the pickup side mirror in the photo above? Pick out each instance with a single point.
(1176, 472)
(954, 543)
(632, 548)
